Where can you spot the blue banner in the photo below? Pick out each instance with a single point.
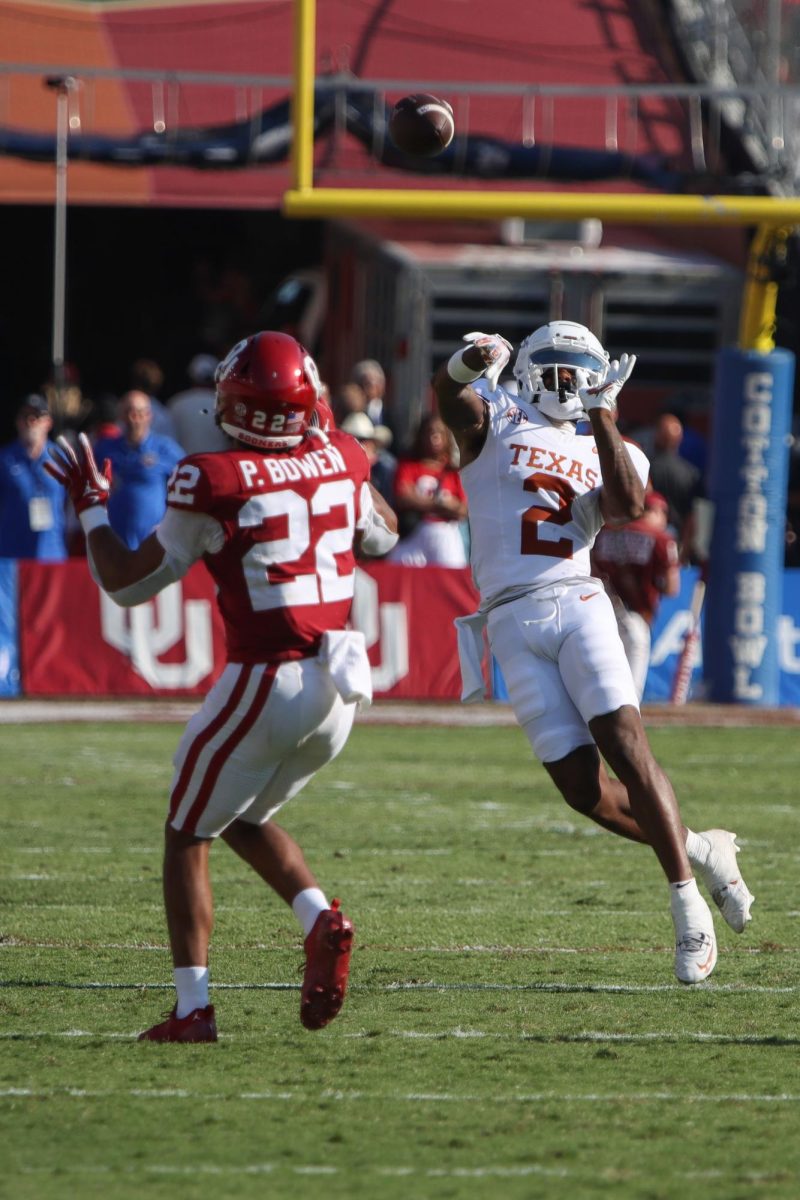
(9, 656)
(747, 487)
(673, 620)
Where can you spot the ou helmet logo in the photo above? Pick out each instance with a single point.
(149, 630)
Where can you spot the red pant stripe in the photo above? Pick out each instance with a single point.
(223, 752)
(204, 737)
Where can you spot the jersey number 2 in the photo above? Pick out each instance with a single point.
(533, 517)
(322, 581)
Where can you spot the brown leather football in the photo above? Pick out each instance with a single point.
(421, 125)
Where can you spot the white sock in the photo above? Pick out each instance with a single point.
(697, 848)
(307, 905)
(685, 901)
(191, 984)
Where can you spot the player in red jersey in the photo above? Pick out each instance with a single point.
(638, 563)
(275, 519)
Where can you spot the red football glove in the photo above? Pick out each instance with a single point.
(87, 487)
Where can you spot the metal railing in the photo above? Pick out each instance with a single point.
(763, 111)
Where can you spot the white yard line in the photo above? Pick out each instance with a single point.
(587, 1036)
(624, 989)
(487, 1171)
(12, 943)
(551, 1097)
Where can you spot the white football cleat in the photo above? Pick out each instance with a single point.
(720, 874)
(695, 940)
(695, 955)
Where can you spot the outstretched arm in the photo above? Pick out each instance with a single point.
(460, 406)
(118, 570)
(622, 495)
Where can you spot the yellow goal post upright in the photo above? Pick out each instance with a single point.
(744, 585)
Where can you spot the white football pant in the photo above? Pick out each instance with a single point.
(563, 663)
(263, 732)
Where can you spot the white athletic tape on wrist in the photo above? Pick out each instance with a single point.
(458, 370)
(93, 518)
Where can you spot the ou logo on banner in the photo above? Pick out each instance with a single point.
(384, 624)
(149, 630)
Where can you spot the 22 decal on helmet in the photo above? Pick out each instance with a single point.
(267, 389)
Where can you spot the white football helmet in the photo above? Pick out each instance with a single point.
(561, 344)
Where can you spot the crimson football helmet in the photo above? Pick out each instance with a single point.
(267, 389)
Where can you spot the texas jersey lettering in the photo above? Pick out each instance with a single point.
(533, 497)
(276, 532)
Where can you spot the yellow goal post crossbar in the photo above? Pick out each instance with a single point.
(775, 216)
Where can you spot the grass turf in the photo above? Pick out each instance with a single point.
(513, 1025)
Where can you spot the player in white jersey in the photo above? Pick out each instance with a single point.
(538, 493)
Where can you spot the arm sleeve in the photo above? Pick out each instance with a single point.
(186, 537)
(376, 537)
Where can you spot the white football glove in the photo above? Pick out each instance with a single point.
(495, 352)
(604, 395)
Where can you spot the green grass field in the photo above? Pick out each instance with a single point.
(513, 1026)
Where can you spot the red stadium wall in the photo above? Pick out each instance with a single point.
(75, 642)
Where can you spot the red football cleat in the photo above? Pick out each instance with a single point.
(198, 1026)
(327, 949)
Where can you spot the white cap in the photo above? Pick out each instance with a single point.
(360, 426)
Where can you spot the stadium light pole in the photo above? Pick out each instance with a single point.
(62, 85)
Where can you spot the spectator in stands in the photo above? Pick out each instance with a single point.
(376, 440)
(347, 399)
(686, 405)
(677, 479)
(141, 463)
(145, 375)
(192, 411)
(638, 564)
(427, 489)
(32, 518)
(102, 420)
(370, 377)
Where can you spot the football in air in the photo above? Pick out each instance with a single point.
(421, 125)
